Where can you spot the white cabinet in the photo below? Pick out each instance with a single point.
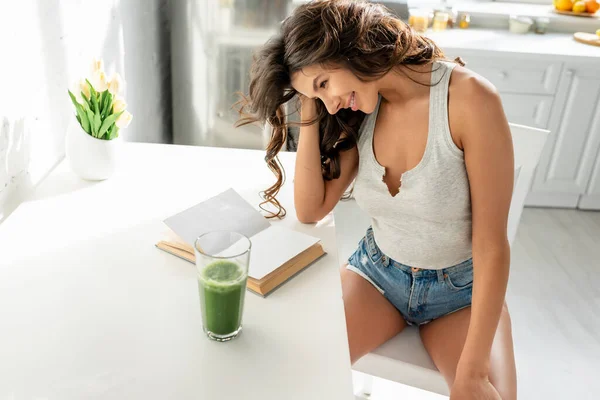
(513, 74)
(526, 86)
(565, 168)
(527, 109)
(591, 199)
(564, 97)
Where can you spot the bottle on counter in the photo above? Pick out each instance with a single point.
(541, 25)
(452, 18)
(464, 21)
(440, 21)
(419, 19)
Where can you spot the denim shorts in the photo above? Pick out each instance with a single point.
(421, 295)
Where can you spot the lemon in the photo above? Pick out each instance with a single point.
(563, 5)
(598, 32)
(579, 7)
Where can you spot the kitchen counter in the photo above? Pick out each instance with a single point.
(549, 45)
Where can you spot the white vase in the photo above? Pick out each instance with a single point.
(91, 158)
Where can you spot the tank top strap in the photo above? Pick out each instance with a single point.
(439, 126)
(368, 126)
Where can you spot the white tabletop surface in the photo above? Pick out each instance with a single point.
(89, 308)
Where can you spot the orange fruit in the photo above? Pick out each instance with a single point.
(592, 6)
(579, 7)
(563, 5)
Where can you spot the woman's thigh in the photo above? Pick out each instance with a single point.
(445, 337)
(371, 319)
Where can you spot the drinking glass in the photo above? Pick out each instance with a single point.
(222, 259)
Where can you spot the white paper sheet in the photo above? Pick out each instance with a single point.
(272, 245)
(225, 211)
(275, 246)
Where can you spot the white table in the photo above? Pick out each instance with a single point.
(89, 308)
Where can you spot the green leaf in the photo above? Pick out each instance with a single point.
(93, 97)
(86, 100)
(101, 103)
(97, 122)
(85, 123)
(90, 117)
(107, 107)
(81, 115)
(109, 132)
(92, 90)
(94, 103)
(108, 122)
(75, 103)
(73, 99)
(114, 132)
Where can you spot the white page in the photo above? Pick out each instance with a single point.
(272, 246)
(275, 246)
(226, 211)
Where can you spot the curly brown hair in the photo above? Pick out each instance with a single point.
(364, 37)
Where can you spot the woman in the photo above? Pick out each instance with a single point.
(429, 150)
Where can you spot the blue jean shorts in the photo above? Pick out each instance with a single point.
(421, 295)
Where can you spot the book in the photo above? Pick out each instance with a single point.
(277, 253)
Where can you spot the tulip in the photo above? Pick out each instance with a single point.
(115, 84)
(118, 105)
(85, 88)
(76, 90)
(124, 120)
(99, 81)
(97, 65)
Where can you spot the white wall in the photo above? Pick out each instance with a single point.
(46, 45)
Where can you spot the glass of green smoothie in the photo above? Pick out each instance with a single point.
(222, 259)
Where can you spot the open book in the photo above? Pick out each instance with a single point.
(277, 253)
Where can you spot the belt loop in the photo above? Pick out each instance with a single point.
(371, 241)
(440, 275)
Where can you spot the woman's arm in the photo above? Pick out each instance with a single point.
(487, 144)
(314, 197)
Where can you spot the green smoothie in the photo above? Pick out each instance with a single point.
(222, 286)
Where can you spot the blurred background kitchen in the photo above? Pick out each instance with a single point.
(184, 60)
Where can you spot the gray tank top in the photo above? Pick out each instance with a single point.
(428, 223)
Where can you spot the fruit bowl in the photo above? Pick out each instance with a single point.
(577, 8)
(577, 14)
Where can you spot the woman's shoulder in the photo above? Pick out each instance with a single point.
(469, 85)
(470, 96)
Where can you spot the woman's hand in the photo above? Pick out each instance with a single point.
(471, 388)
(308, 108)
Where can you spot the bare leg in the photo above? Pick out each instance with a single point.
(444, 339)
(371, 319)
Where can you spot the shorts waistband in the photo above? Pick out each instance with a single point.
(376, 253)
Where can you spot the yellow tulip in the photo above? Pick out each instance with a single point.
(74, 88)
(99, 81)
(115, 84)
(124, 120)
(97, 65)
(118, 105)
(85, 88)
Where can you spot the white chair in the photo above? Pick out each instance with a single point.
(403, 358)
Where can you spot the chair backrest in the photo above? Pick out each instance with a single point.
(351, 222)
(528, 144)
